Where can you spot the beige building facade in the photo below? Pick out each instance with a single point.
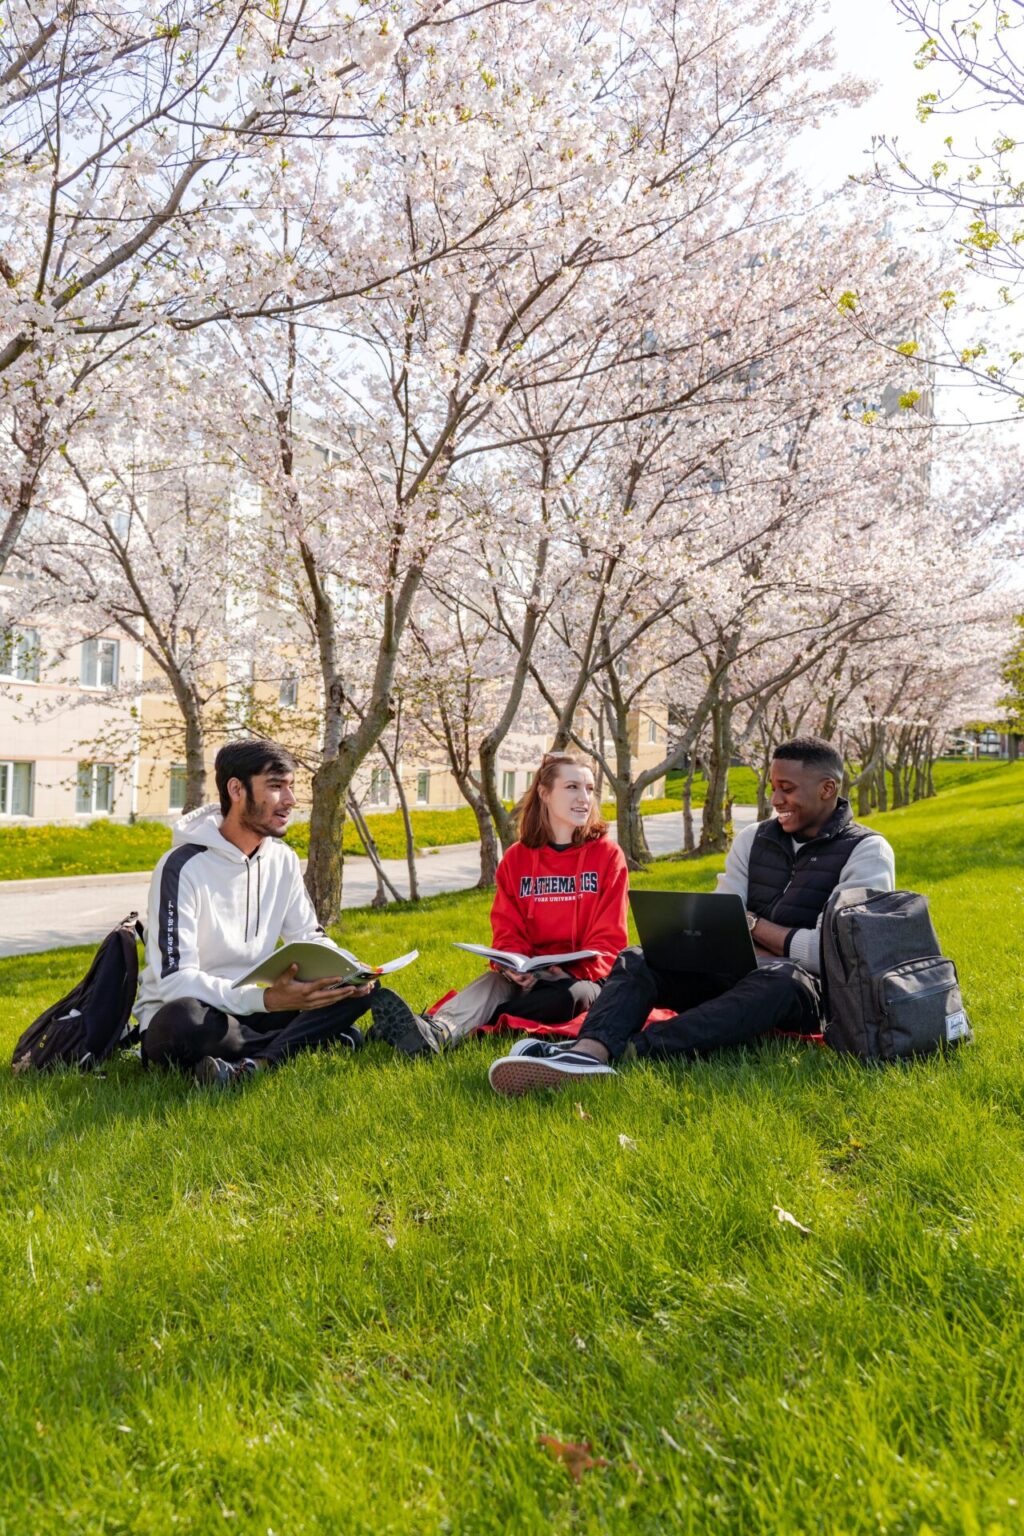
(67, 725)
(88, 729)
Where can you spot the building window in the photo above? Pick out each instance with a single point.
(94, 795)
(176, 797)
(16, 785)
(652, 730)
(508, 786)
(529, 778)
(19, 654)
(99, 663)
(423, 788)
(288, 693)
(380, 786)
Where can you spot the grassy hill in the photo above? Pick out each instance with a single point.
(353, 1296)
(104, 847)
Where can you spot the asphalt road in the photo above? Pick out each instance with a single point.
(51, 914)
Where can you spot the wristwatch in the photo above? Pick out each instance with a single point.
(752, 920)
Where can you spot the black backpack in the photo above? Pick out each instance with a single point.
(87, 1025)
(888, 991)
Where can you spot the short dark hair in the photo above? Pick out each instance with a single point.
(816, 752)
(244, 760)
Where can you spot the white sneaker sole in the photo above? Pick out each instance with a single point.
(516, 1075)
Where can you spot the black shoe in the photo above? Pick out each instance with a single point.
(395, 1023)
(535, 1064)
(351, 1038)
(212, 1072)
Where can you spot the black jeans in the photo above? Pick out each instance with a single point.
(712, 1013)
(551, 1002)
(180, 1034)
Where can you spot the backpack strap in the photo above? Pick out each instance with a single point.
(132, 922)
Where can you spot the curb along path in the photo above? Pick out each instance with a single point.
(54, 913)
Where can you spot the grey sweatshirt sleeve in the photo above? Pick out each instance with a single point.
(872, 863)
(733, 879)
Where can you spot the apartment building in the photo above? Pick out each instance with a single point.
(63, 700)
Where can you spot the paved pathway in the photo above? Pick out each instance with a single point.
(48, 914)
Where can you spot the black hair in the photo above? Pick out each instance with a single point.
(243, 760)
(815, 752)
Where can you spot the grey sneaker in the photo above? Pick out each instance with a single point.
(212, 1072)
(396, 1023)
(535, 1064)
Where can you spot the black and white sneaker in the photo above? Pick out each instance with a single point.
(542, 1064)
(396, 1024)
(213, 1072)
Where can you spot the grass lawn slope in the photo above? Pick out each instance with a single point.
(351, 1297)
(103, 847)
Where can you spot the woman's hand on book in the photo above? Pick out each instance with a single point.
(523, 980)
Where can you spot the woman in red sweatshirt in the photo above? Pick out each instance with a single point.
(562, 887)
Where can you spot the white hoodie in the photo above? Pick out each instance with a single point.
(214, 914)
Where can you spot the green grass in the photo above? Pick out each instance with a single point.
(350, 1297)
(107, 848)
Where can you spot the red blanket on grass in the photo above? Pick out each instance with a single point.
(569, 1031)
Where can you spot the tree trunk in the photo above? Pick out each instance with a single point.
(715, 829)
(882, 784)
(629, 825)
(195, 757)
(504, 821)
(325, 869)
(33, 456)
(489, 853)
(689, 844)
(403, 804)
(410, 841)
(763, 797)
(898, 796)
(492, 742)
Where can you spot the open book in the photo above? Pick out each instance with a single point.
(317, 962)
(524, 964)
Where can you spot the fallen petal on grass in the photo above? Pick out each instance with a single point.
(788, 1219)
(627, 1143)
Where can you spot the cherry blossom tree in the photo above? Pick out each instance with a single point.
(146, 532)
(972, 68)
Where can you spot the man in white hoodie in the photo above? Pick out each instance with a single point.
(229, 888)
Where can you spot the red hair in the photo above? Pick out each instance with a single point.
(534, 826)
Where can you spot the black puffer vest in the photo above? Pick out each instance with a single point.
(792, 888)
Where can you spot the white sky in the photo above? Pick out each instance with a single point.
(874, 44)
(871, 44)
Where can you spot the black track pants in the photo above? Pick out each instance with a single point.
(712, 1014)
(180, 1034)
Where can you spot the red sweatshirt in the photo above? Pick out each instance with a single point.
(552, 901)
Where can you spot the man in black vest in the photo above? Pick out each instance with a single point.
(785, 869)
